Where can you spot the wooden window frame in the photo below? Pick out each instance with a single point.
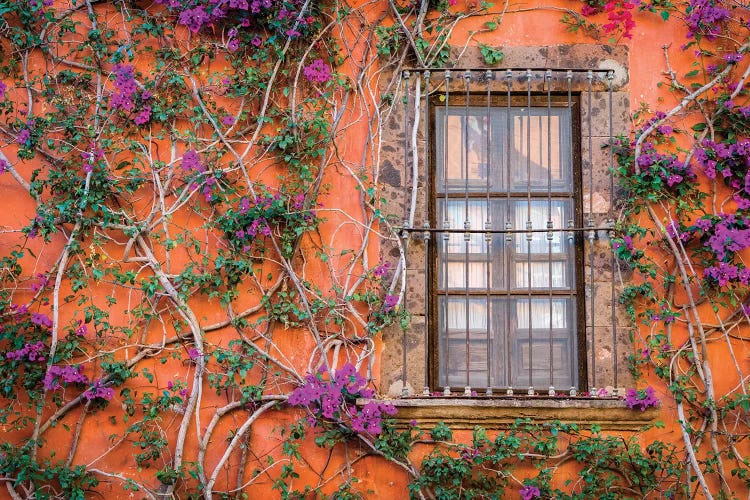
(500, 100)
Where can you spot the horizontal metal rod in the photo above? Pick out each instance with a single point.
(501, 231)
(505, 70)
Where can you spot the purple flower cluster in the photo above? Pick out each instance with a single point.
(258, 224)
(667, 315)
(42, 281)
(90, 157)
(723, 234)
(641, 400)
(41, 319)
(24, 135)
(664, 166)
(143, 116)
(232, 42)
(67, 374)
(126, 88)
(3, 89)
(196, 18)
(29, 352)
(724, 273)
(298, 201)
(199, 14)
(730, 234)
(381, 270)
(82, 329)
(208, 188)
(317, 71)
(529, 492)
(706, 17)
(98, 390)
(732, 161)
(470, 453)
(191, 161)
(332, 396)
(126, 94)
(390, 302)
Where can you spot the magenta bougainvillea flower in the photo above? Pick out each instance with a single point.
(331, 396)
(641, 400)
(317, 71)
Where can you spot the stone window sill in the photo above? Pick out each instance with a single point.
(499, 413)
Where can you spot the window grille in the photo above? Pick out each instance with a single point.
(509, 239)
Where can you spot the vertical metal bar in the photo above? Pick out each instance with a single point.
(592, 235)
(571, 234)
(404, 231)
(407, 171)
(529, 224)
(467, 226)
(426, 234)
(508, 236)
(548, 77)
(488, 227)
(446, 236)
(611, 224)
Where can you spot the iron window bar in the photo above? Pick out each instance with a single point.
(504, 70)
(488, 75)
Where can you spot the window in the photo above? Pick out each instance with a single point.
(505, 190)
(506, 148)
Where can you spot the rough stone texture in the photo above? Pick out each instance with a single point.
(392, 358)
(600, 114)
(602, 307)
(602, 372)
(600, 158)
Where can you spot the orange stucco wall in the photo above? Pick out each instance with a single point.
(531, 24)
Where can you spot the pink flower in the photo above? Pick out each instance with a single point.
(529, 492)
(228, 120)
(99, 391)
(381, 270)
(82, 330)
(23, 137)
(317, 71)
(41, 320)
(143, 116)
(390, 302)
(588, 10)
(233, 45)
(191, 161)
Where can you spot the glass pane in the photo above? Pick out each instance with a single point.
(453, 341)
(550, 352)
(558, 362)
(467, 149)
(477, 275)
(477, 252)
(541, 146)
(561, 250)
(540, 313)
(540, 274)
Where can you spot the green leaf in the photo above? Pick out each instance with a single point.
(664, 14)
